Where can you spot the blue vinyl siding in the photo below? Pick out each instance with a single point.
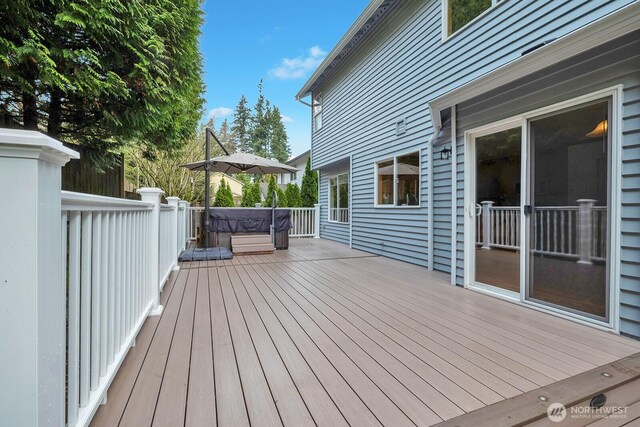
(377, 86)
(405, 64)
(442, 202)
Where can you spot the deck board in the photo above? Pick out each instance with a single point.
(325, 335)
(171, 405)
(201, 408)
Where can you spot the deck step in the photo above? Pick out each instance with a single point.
(254, 248)
(250, 239)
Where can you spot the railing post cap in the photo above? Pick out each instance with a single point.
(183, 203)
(150, 190)
(586, 201)
(173, 200)
(35, 145)
(487, 202)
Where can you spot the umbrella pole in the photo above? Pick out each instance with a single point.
(207, 185)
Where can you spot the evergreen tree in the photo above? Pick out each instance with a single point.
(279, 142)
(292, 193)
(225, 137)
(282, 198)
(102, 74)
(273, 187)
(309, 191)
(241, 127)
(256, 193)
(259, 128)
(246, 197)
(224, 196)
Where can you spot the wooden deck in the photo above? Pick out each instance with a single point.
(325, 335)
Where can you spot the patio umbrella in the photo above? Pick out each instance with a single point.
(242, 163)
(231, 163)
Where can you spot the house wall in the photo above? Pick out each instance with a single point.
(393, 76)
(330, 230)
(612, 64)
(442, 202)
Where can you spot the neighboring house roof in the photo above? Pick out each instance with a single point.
(367, 23)
(227, 177)
(294, 160)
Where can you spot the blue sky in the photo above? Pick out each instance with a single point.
(279, 41)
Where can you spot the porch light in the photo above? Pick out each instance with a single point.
(445, 153)
(600, 130)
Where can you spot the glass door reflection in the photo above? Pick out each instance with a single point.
(568, 239)
(497, 199)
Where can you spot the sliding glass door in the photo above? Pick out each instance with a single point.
(540, 210)
(567, 259)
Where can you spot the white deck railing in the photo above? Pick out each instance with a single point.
(303, 222)
(339, 214)
(111, 285)
(79, 275)
(108, 297)
(578, 232)
(167, 249)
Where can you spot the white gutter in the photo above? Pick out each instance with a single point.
(454, 195)
(605, 29)
(437, 126)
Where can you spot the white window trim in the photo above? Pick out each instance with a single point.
(395, 174)
(615, 93)
(445, 18)
(314, 114)
(336, 175)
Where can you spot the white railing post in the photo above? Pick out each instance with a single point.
(184, 235)
(32, 279)
(316, 221)
(585, 230)
(152, 257)
(486, 224)
(173, 232)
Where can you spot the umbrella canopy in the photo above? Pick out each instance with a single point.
(403, 169)
(242, 163)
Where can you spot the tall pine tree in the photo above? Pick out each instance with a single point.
(225, 137)
(279, 142)
(309, 190)
(259, 128)
(241, 126)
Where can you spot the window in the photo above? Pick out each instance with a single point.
(293, 176)
(339, 198)
(458, 13)
(398, 181)
(317, 112)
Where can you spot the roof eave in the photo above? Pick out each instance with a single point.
(344, 41)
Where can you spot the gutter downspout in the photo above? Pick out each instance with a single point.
(454, 194)
(311, 155)
(437, 126)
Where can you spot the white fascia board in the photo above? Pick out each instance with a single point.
(346, 39)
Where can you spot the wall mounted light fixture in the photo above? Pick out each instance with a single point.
(445, 153)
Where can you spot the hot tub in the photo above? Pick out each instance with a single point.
(227, 221)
